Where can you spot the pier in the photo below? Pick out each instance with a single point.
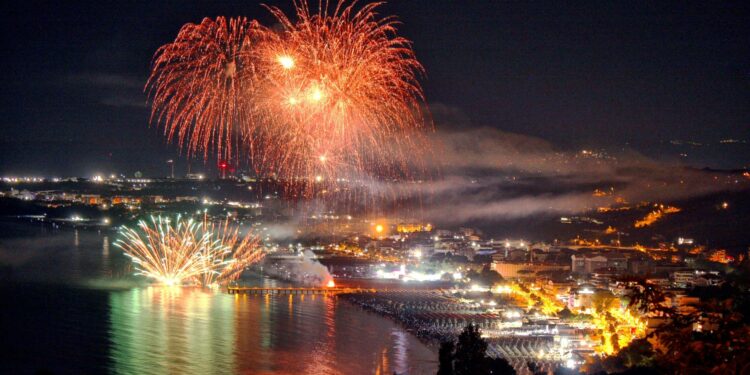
(294, 291)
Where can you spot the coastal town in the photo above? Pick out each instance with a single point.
(542, 305)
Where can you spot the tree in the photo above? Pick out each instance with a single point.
(535, 370)
(636, 358)
(603, 300)
(499, 366)
(710, 337)
(482, 258)
(486, 277)
(445, 358)
(467, 357)
(565, 313)
(639, 353)
(490, 276)
(470, 349)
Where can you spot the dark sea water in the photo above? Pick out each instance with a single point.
(69, 306)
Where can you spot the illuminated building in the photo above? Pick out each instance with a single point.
(90, 199)
(584, 265)
(581, 297)
(720, 256)
(413, 228)
(640, 265)
(683, 278)
(685, 241)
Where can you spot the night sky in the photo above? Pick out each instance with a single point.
(578, 74)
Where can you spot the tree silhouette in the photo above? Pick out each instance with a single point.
(470, 349)
(487, 276)
(603, 300)
(535, 370)
(499, 366)
(709, 337)
(445, 358)
(469, 356)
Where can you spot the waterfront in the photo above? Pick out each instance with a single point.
(67, 310)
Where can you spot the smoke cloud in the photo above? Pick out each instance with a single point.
(486, 173)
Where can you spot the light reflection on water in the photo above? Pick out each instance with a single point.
(82, 326)
(191, 330)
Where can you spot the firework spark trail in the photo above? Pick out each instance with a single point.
(342, 90)
(329, 96)
(186, 251)
(244, 251)
(200, 84)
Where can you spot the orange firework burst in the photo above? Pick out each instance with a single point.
(185, 251)
(200, 85)
(343, 93)
(329, 98)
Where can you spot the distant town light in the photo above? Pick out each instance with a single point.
(570, 363)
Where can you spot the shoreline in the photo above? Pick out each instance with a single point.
(430, 343)
(404, 315)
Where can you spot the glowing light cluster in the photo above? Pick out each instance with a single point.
(326, 96)
(618, 324)
(656, 215)
(534, 297)
(176, 252)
